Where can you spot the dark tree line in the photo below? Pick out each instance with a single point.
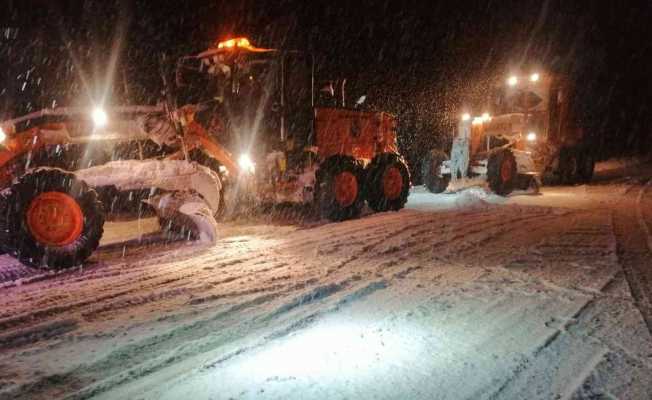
(422, 60)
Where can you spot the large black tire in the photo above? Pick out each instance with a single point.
(586, 166)
(23, 244)
(528, 182)
(501, 172)
(432, 179)
(327, 200)
(384, 190)
(569, 166)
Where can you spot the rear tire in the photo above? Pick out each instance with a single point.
(339, 188)
(387, 183)
(569, 166)
(502, 172)
(586, 167)
(430, 167)
(22, 240)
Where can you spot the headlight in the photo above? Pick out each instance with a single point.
(512, 80)
(534, 77)
(246, 164)
(3, 135)
(466, 117)
(531, 137)
(99, 117)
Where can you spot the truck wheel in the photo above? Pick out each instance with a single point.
(432, 179)
(387, 183)
(54, 219)
(569, 166)
(586, 165)
(339, 188)
(501, 172)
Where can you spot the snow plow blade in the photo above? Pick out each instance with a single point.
(189, 198)
(186, 213)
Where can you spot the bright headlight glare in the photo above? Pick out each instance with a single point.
(246, 164)
(466, 117)
(3, 135)
(512, 81)
(534, 77)
(100, 118)
(531, 137)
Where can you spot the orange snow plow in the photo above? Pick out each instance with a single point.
(60, 179)
(530, 131)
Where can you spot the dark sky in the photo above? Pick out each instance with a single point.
(422, 60)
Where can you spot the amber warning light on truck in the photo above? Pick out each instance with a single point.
(233, 43)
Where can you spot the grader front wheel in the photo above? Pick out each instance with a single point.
(54, 220)
(502, 172)
(434, 181)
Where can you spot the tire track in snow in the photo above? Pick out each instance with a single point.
(137, 360)
(634, 253)
(141, 300)
(458, 241)
(274, 296)
(566, 350)
(105, 308)
(641, 215)
(241, 308)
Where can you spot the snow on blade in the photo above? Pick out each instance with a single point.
(187, 210)
(169, 175)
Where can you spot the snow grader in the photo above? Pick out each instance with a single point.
(64, 171)
(529, 135)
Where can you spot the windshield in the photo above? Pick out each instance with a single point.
(508, 100)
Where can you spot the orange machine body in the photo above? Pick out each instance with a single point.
(359, 134)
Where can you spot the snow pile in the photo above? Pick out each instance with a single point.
(465, 183)
(421, 199)
(625, 165)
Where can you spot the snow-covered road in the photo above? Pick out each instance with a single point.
(464, 295)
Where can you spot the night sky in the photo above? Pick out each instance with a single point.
(423, 61)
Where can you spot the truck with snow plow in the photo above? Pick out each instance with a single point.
(63, 171)
(529, 133)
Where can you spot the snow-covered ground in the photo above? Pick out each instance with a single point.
(465, 295)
